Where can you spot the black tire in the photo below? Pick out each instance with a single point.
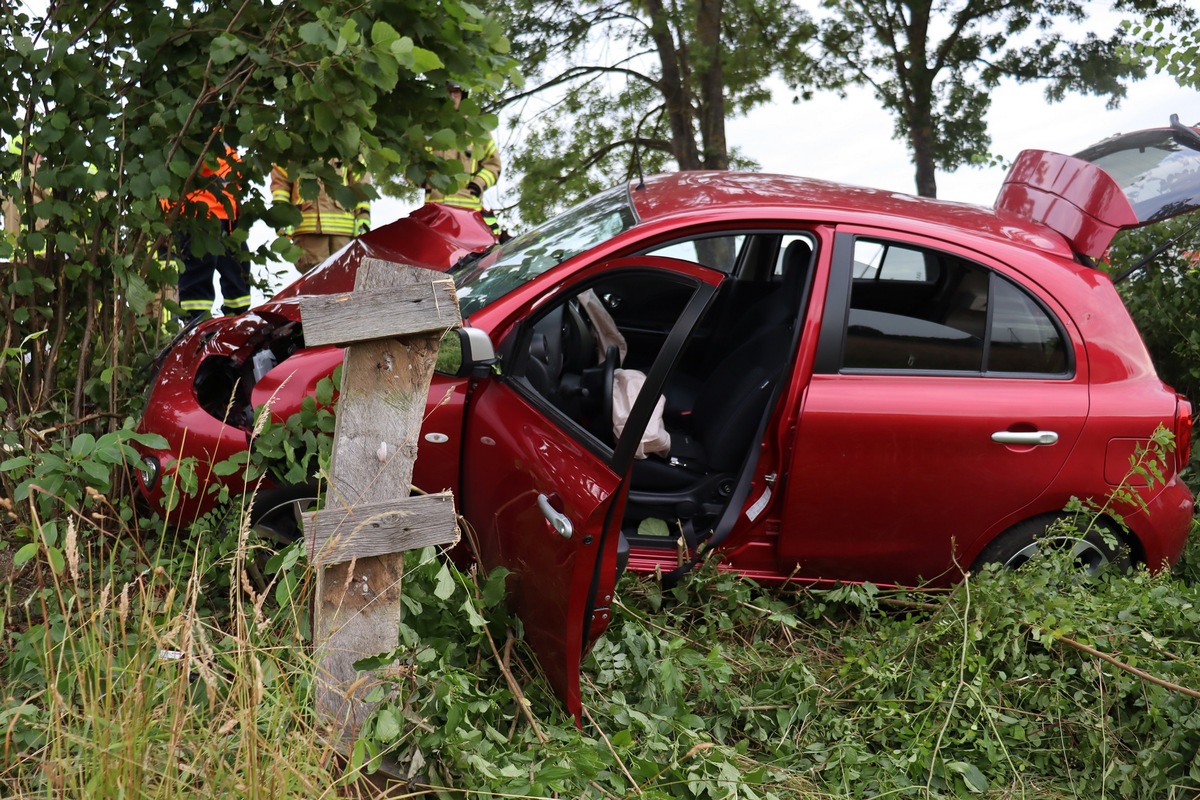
(1089, 543)
(275, 513)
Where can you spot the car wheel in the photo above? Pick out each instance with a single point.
(275, 513)
(1091, 550)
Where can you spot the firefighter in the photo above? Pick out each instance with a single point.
(326, 226)
(481, 162)
(214, 201)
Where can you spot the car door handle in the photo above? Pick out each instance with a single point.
(557, 519)
(1025, 437)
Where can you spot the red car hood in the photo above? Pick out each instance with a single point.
(434, 236)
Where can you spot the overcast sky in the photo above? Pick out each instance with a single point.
(850, 140)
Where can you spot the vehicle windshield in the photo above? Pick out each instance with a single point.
(522, 259)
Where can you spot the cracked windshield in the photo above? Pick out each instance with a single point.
(529, 255)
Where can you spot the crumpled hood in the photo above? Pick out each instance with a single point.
(435, 236)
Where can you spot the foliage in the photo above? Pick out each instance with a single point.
(296, 450)
(716, 688)
(636, 88)
(78, 482)
(933, 68)
(119, 682)
(1175, 52)
(1163, 297)
(108, 119)
(732, 691)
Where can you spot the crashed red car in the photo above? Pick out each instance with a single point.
(854, 385)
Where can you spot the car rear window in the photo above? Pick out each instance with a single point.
(919, 309)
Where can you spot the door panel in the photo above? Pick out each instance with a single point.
(915, 404)
(542, 489)
(519, 456)
(872, 447)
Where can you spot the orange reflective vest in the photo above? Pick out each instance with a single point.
(213, 196)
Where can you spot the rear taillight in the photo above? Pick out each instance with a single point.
(1183, 432)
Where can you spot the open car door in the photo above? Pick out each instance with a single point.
(544, 479)
(1126, 181)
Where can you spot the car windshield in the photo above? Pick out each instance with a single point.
(522, 259)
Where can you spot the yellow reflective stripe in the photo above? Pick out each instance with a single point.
(196, 305)
(281, 196)
(338, 223)
(489, 177)
(238, 302)
(458, 201)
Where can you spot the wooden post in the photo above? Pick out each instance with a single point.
(392, 323)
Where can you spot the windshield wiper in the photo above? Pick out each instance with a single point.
(471, 258)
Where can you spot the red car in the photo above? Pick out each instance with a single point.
(856, 385)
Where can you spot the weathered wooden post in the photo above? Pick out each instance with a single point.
(392, 323)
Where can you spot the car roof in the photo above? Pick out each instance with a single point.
(786, 196)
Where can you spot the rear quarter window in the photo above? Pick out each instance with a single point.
(916, 309)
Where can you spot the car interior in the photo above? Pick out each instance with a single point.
(720, 391)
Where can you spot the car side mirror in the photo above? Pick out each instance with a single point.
(466, 351)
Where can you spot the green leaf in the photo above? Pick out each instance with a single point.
(232, 465)
(314, 33)
(383, 34)
(473, 619)
(82, 445)
(55, 558)
(15, 463)
(652, 526)
(223, 50)
(98, 472)
(387, 726)
(971, 775)
(424, 61)
(25, 554)
(444, 585)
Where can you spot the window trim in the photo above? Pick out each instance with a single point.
(831, 343)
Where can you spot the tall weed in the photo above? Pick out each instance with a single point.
(127, 686)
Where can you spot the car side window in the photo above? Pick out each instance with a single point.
(716, 252)
(566, 357)
(1023, 337)
(920, 309)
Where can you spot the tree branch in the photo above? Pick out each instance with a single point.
(635, 141)
(575, 73)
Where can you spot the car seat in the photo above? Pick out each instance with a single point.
(774, 311)
(699, 474)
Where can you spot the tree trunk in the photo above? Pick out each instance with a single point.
(712, 84)
(917, 79)
(674, 89)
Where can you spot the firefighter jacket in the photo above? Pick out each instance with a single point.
(322, 214)
(215, 196)
(482, 163)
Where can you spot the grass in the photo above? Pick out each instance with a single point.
(716, 689)
(96, 705)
